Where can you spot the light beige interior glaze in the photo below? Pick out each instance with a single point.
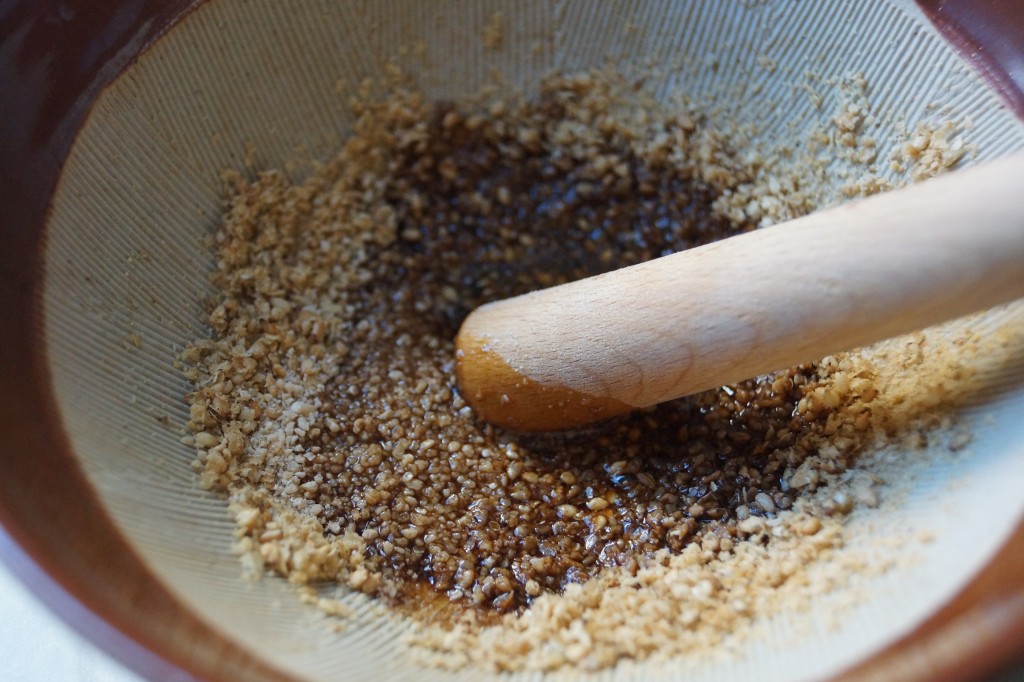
(259, 81)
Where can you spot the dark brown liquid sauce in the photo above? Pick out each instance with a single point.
(488, 209)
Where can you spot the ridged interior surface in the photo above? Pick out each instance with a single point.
(126, 276)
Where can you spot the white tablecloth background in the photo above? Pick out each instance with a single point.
(36, 646)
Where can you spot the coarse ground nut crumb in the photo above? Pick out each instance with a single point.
(709, 598)
(325, 405)
(494, 32)
(930, 150)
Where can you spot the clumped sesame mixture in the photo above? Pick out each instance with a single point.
(325, 404)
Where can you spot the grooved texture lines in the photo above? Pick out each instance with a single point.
(257, 83)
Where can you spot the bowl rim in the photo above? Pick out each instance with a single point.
(59, 56)
(43, 57)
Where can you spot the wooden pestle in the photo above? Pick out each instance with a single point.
(596, 348)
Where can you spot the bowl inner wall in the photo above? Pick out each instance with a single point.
(262, 82)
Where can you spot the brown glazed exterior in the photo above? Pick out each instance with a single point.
(55, 58)
(989, 35)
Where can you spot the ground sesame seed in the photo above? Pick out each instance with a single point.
(325, 405)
